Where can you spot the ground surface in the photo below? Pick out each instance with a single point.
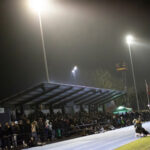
(109, 140)
(140, 144)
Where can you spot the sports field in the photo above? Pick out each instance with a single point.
(140, 144)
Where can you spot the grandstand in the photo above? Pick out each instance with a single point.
(56, 95)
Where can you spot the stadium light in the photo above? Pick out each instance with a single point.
(38, 5)
(75, 68)
(73, 71)
(129, 40)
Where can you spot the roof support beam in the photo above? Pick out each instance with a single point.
(68, 95)
(52, 96)
(86, 94)
(100, 98)
(70, 99)
(83, 97)
(90, 101)
(106, 98)
(38, 95)
(11, 98)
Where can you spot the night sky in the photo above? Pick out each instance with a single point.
(88, 34)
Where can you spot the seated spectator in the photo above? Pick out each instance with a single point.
(139, 129)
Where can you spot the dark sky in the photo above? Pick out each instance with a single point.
(88, 34)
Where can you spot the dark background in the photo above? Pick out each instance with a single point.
(88, 34)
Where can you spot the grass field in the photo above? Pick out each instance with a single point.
(140, 144)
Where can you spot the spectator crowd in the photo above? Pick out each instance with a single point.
(38, 128)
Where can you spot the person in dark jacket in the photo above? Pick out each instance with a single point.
(21, 133)
(41, 128)
(27, 129)
(1, 136)
(7, 136)
(14, 133)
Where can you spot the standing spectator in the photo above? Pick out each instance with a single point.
(123, 123)
(34, 130)
(7, 136)
(21, 133)
(14, 131)
(48, 129)
(53, 131)
(41, 128)
(27, 129)
(1, 136)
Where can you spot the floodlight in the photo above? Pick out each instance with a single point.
(129, 39)
(38, 5)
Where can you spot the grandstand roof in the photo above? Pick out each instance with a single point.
(57, 94)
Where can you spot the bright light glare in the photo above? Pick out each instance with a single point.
(75, 68)
(38, 5)
(129, 39)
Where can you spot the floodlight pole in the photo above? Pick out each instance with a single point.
(133, 74)
(43, 47)
(147, 94)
